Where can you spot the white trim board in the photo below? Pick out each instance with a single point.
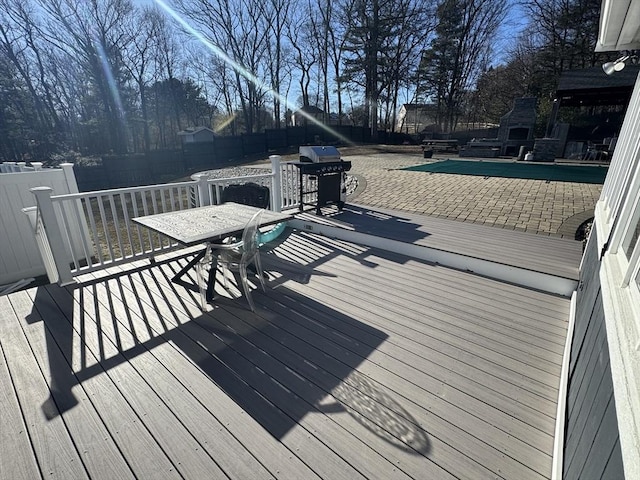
(506, 273)
(561, 411)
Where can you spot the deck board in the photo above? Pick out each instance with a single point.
(243, 352)
(136, 417)
(51, 442)
(540, 253)
(172, 327)
(398, 265)
(102, 459)
(448, 371)
(14, 438)
(357, 364)
(428, 291)
(456, 412)
(386, 313)
(259, 396)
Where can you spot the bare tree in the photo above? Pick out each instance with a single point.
(305, 55)
(336, 47)
(234, 30)
(381, 39)
(22, 46)
(276, 14)
(415, 26)
(93, 33)
(459, 53)
(139, 59)
(563, 34)
(368, 21)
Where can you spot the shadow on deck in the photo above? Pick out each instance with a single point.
(534, 261)
(359, 363)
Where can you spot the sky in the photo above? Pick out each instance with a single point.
(514, 24)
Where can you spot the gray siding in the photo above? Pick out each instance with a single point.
(592, 449)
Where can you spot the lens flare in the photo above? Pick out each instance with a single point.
(243, 71)
(111, 81)
(223, 123)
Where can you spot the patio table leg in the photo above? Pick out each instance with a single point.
(211, 280)
(177, 278)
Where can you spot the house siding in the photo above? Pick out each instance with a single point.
(592, 448)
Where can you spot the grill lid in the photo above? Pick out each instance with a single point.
(319, 154)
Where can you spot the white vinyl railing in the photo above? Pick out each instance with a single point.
(83, 232)
(89, 231)
(290, 191)
(17, 167)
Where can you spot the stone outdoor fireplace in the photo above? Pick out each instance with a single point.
(517, 126)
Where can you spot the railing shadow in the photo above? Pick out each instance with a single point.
(276, 368)
(380, 223)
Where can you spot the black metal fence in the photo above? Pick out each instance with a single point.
(158, 166)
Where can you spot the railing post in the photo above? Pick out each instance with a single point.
(37, 166)
(43, 244)
(276, 183)
(69, 177)
(54, 234)
(21, 166)
(204, 195)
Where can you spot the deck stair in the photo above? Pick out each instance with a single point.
(548, 264)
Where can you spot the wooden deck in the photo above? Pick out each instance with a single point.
(359, 363)
(555, 256)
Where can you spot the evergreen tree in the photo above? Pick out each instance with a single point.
(459, 53)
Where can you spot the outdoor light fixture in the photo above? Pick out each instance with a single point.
(612, 67)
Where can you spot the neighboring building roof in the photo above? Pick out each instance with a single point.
(310, 109)
(195, 130)
(420, 106)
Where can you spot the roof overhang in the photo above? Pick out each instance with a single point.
(592, 87)
(619, 26)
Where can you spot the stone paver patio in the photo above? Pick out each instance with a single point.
(536, 206)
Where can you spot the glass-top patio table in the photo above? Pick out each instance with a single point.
(210, 224)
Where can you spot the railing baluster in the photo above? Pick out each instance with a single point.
(105, 229)
(116, 226)
(154, 202)
(163, 200)
(94, 231)
(184, 198)
(135, 212)
(127, 223)
(145, 209)
(172, 200)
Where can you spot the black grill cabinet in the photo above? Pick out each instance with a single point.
(323, 172)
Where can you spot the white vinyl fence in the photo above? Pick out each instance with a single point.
(19, 254)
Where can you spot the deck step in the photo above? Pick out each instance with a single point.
(548, 264)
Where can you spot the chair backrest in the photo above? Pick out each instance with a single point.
(250, 237)
(248, 194)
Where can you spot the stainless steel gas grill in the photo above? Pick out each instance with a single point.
(322, 177)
